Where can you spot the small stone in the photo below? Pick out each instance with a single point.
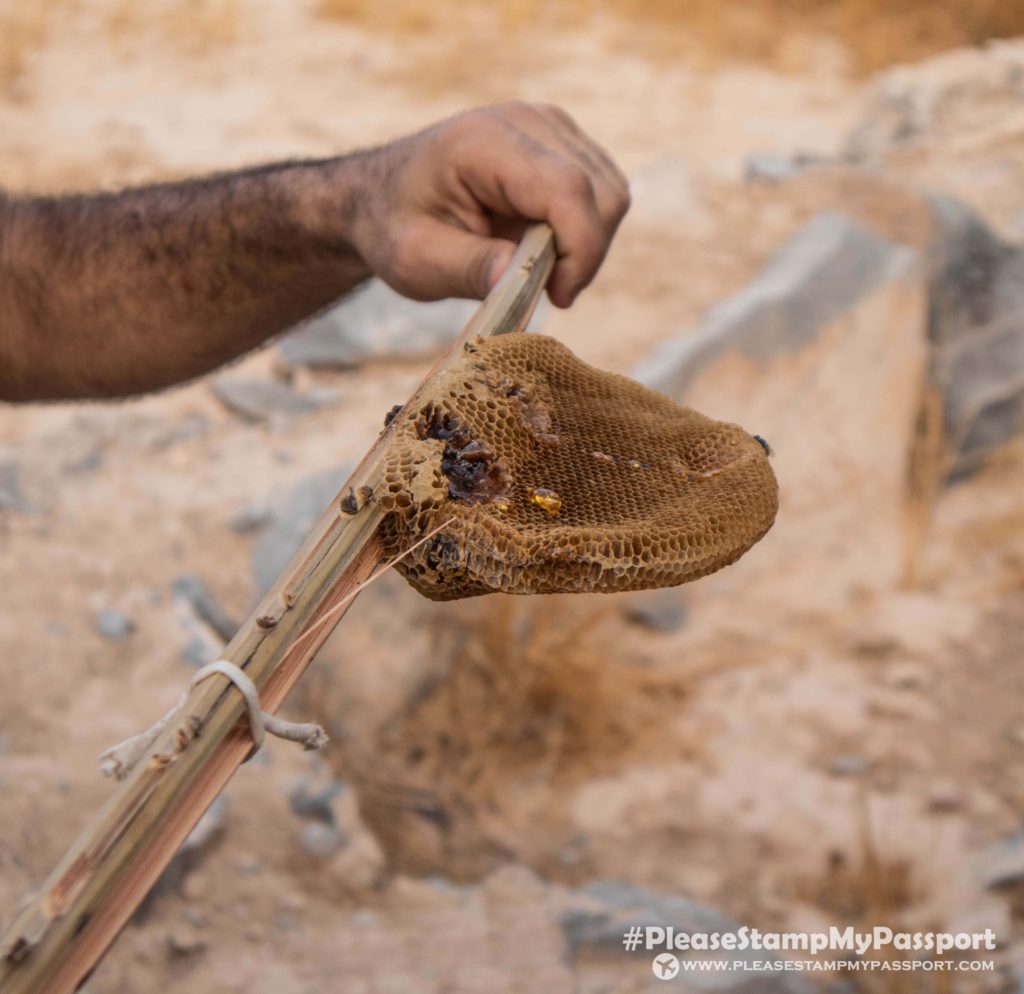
(848, 765)
(250, 518)
(88, 463)
(183, 941)
(764, 167)
(907, 676)
(11, 498)
(195, 917)
(660, 611)
(320, 841)
(113, 625)
(376, 323)
(199, 651)
(1002, 864)
(194, 592)
(208, 831)
(315, 805)
(261, 400)
(295, 515)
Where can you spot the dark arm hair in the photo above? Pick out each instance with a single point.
(119, 293)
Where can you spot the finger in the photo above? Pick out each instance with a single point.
(552, 125)
(554, 130)
(566, 125)
(511, 173)
(433, 260)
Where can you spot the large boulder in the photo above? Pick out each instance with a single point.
(824, 354)
(599, 917)
(297, 512)
(378, 323)
(976, 333)
(836, 352)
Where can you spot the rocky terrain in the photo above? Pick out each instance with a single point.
(829, 732)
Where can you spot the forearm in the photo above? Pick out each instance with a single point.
(116, 294)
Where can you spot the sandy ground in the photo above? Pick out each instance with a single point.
(790, 760)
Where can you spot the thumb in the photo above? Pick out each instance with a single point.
(458, 263)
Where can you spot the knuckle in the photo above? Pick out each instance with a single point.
(471, 126)
(508, 114)
(517, 108)
(574, 182)
(560, 115)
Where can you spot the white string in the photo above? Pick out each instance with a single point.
(121, 759)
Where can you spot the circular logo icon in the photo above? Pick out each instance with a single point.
(665, 966)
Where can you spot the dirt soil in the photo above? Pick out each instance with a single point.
(790, 760)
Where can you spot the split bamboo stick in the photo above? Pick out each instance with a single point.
(68, 924)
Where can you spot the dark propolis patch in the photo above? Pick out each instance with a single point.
(475, 474)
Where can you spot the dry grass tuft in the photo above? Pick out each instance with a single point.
(928, 471)
(870, 888)
(532, 684)
(531, 699)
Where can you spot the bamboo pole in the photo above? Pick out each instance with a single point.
(66, 927)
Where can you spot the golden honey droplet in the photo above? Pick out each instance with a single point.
(546, 499)
(500, 504)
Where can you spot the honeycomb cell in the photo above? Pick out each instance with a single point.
(649, 493)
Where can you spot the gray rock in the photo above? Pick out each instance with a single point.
(261, 400)
(1002, 864)
(250, 518)
(85, 464)
(823, 271)
(660, 611)
(201, 841)
(975, 321)
(208, 832)
(621, 906)
(607, 909)
(848, 765)
(113, 625)
(976, 329)
(378, 323)
(184, 942)
(315, 805)
(320, 841)
(199, 651)
(11, 498)
(294, 517)
(162, 436)
(764, 167)
(194, 592)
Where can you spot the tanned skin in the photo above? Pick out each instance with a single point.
(109, 295)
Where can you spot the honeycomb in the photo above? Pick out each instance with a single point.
(549, 476)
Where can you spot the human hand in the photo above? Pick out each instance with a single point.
(437, 214)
